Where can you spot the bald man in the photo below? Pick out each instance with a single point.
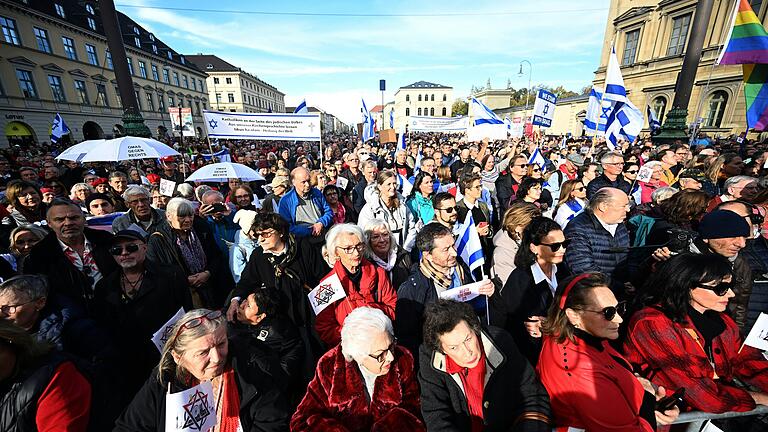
(305, 208)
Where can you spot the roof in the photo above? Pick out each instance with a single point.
(377, 108)
(424, 84)
(211, 63)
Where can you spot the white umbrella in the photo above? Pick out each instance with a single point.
(222, 171)
(127, 148)
(78, 151)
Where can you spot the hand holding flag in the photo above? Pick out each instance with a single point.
(326, 293)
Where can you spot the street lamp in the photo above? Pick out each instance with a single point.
(530, 72)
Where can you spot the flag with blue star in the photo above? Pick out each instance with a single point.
(58, 128)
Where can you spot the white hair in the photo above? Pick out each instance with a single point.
(186, 190)
(133, 190)
(357, 331)
(211, 193)
(662, 194)
(606, 158)
(375, 224)
(654, 164)
(179, 207)
(332, 238)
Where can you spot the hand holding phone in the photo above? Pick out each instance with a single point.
(669, 402)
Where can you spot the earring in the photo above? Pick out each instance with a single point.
(576, 326)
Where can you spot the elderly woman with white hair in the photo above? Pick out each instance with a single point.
(367, 383)
(245, 397)
(79, 193)
(384, 251)
(364, 283)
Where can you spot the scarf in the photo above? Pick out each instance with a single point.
(489, 177)
(227, 403)
(339, 213)
(473, 381)
(442, 281)
(391, 260)
(282, 261)
(192, 252)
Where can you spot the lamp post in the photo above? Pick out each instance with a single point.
(530, 73)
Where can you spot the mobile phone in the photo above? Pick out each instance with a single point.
(218, 208)
(669, 402)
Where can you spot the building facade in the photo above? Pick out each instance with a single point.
(55, 60)
(235, 90)
(421, 98)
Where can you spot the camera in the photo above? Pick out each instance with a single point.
(680, 240)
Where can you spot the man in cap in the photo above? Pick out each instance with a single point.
(692, 179)
(570, 168)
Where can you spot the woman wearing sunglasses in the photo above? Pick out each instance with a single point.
(573, 195)
(366, 383)
(197, 350)
(523, 301)
(591, 386)
(683, 338)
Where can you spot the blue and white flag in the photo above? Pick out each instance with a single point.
(537, 158)
(401, 145)
(223, 156)
(302, 108)
(483, 115)
(594, 123)
(468, 245)
(58, 128)
(392, 119)
(653, 122)
(404, 185)
(417, 164)
(625, 121)
(368, 125)
(614, 82)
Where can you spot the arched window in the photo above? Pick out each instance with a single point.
(445, 97)
(432, 97)
(659, 107)
(90, 10)
(444, 111)
(407, 111)
(419, 111)
(716, 108)
(407, 98)
(431, 112)
(419, 98)
(426, 97)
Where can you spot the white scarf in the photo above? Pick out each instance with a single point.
(390, 263)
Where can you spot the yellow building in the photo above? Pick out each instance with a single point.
(235, 90)
(421, 99)
(54, 59)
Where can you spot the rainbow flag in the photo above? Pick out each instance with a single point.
(756, 95)
(748, 43)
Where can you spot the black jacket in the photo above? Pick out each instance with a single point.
(280, 338)
(358, 195)
(64, 278)
(513, 397)
(262, 407)
(506, 190)
(602, 181)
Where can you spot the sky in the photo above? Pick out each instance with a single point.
(333, 53)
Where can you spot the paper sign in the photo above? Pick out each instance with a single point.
(342, 183)
(164, 332)
(191, 410)
(463, 293)
(758, 336)
(167, 187)
(709, 427)
(645, 174)
(326, 293)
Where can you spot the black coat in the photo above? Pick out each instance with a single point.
(358, 195)
(602, 181)
(513, 396)
(506, 190)
(48, 259)
(262, 407)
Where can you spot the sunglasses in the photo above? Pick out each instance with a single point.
(720, 289)
(631, 171)
(556, 246)
(581, 188)
(447, 209)
(197, 322)
(609, 313)
(118, 250)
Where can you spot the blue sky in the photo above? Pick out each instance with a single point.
(333, 61)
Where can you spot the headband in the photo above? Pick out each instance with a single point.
(570, 285)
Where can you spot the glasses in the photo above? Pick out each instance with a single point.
(615, 163)
(521, 165)
(609, 313)
(536, 170)
(378, 237)
(118, 250)
(383, 355)
(556, 246)
(631, 171)
(197, 322)
(447, 209)
(360, 248)
(581, 188)
(10, 309)
(266, 234)
(720, 289)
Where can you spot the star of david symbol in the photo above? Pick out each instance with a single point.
(56, 124)
(213, 124)
(324, 294)
(606, 111)
(196, 411)
(546, 108)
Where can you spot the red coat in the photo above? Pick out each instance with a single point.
(375, 290)
(589, 389)
(665, 353)
(336, 398)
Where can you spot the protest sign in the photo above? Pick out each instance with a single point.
(164, 333)
(645, 174)
(469, 293)
(544, 108)
(342, 182)
(264, 126)
(191, 410)
(758, 336)
(516, 131)
(167, 187)
(326, 293)
(709, 427)
(438, 124)
(182, 116)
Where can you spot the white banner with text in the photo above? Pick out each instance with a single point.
(438, 124)
(263, 126)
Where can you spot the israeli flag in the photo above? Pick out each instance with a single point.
(614, 82)
(401, 141)
(368, 125)
(417, 164)
(392, 119)
(508, 122)
(537, 158)
(302, 108)
(483, 114)
(625, 121)
(468, 245)
(404, 185)
(223, 156)
(594, 123)
(653, 122)
(58, 128)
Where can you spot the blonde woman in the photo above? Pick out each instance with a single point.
(506, 242)
(389, 206)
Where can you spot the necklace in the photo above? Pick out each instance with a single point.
(130, 288)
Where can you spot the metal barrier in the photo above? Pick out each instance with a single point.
(694, 420)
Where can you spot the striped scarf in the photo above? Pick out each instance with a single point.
(442, 281)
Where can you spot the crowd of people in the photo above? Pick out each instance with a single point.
(609, 303)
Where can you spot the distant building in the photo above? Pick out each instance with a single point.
(55, 59)
(235, 90)
(421, 98)
(329, 121)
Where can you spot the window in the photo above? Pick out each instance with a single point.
(154, 48)
(170, 101)
(185, 80)
(432, 97)
(197, 107)
(181, 103)
(59, 10)
(200, 85)
(170, 55)
(419, 108)
(155, 75)
(181, 59)
(231, 97)
(407, 110)
(215, 80)
(81, 92)
(56, 88)
(160, 103)
(716, 105)
(630, 47)
(137, 41)
(176, 79)
(10, 33)
(679, 34)
(43, 43)
(101, 95)
(90, 10)
(166, 78)
(91, 23)
(90, 51)
(119, 100)
(90, 20)
(136, 30)
(152, 38)
(658, 106)
(431, 111)
(419, 98)
(150, 102)
(407, 98)
(138, 99)
(109, 60)
(69, 48)
(445, 112)
(218, 99)
(444, 99)
(229, 80)
(130, 65)
(26, 83)
(142, 69)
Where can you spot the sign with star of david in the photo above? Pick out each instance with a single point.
(264, 126)
(191, 410)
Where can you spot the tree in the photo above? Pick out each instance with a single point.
(459, 107)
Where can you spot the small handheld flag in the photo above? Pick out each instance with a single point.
(468, 245)
(758, 336)
(325, 294)
(58, 128)
(302, 108)
(537, 158)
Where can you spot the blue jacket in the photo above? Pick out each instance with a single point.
(593, 249)
(240, 253)
(224, 231)
(290, 202)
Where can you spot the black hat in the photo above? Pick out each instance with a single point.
(128, 234)
(695, 174)
(723, 224)
(96, 195)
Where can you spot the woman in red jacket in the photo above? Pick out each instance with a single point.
(684, 339)
(590, 385)
(365, 284)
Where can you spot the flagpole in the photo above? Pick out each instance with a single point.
(487, 299)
